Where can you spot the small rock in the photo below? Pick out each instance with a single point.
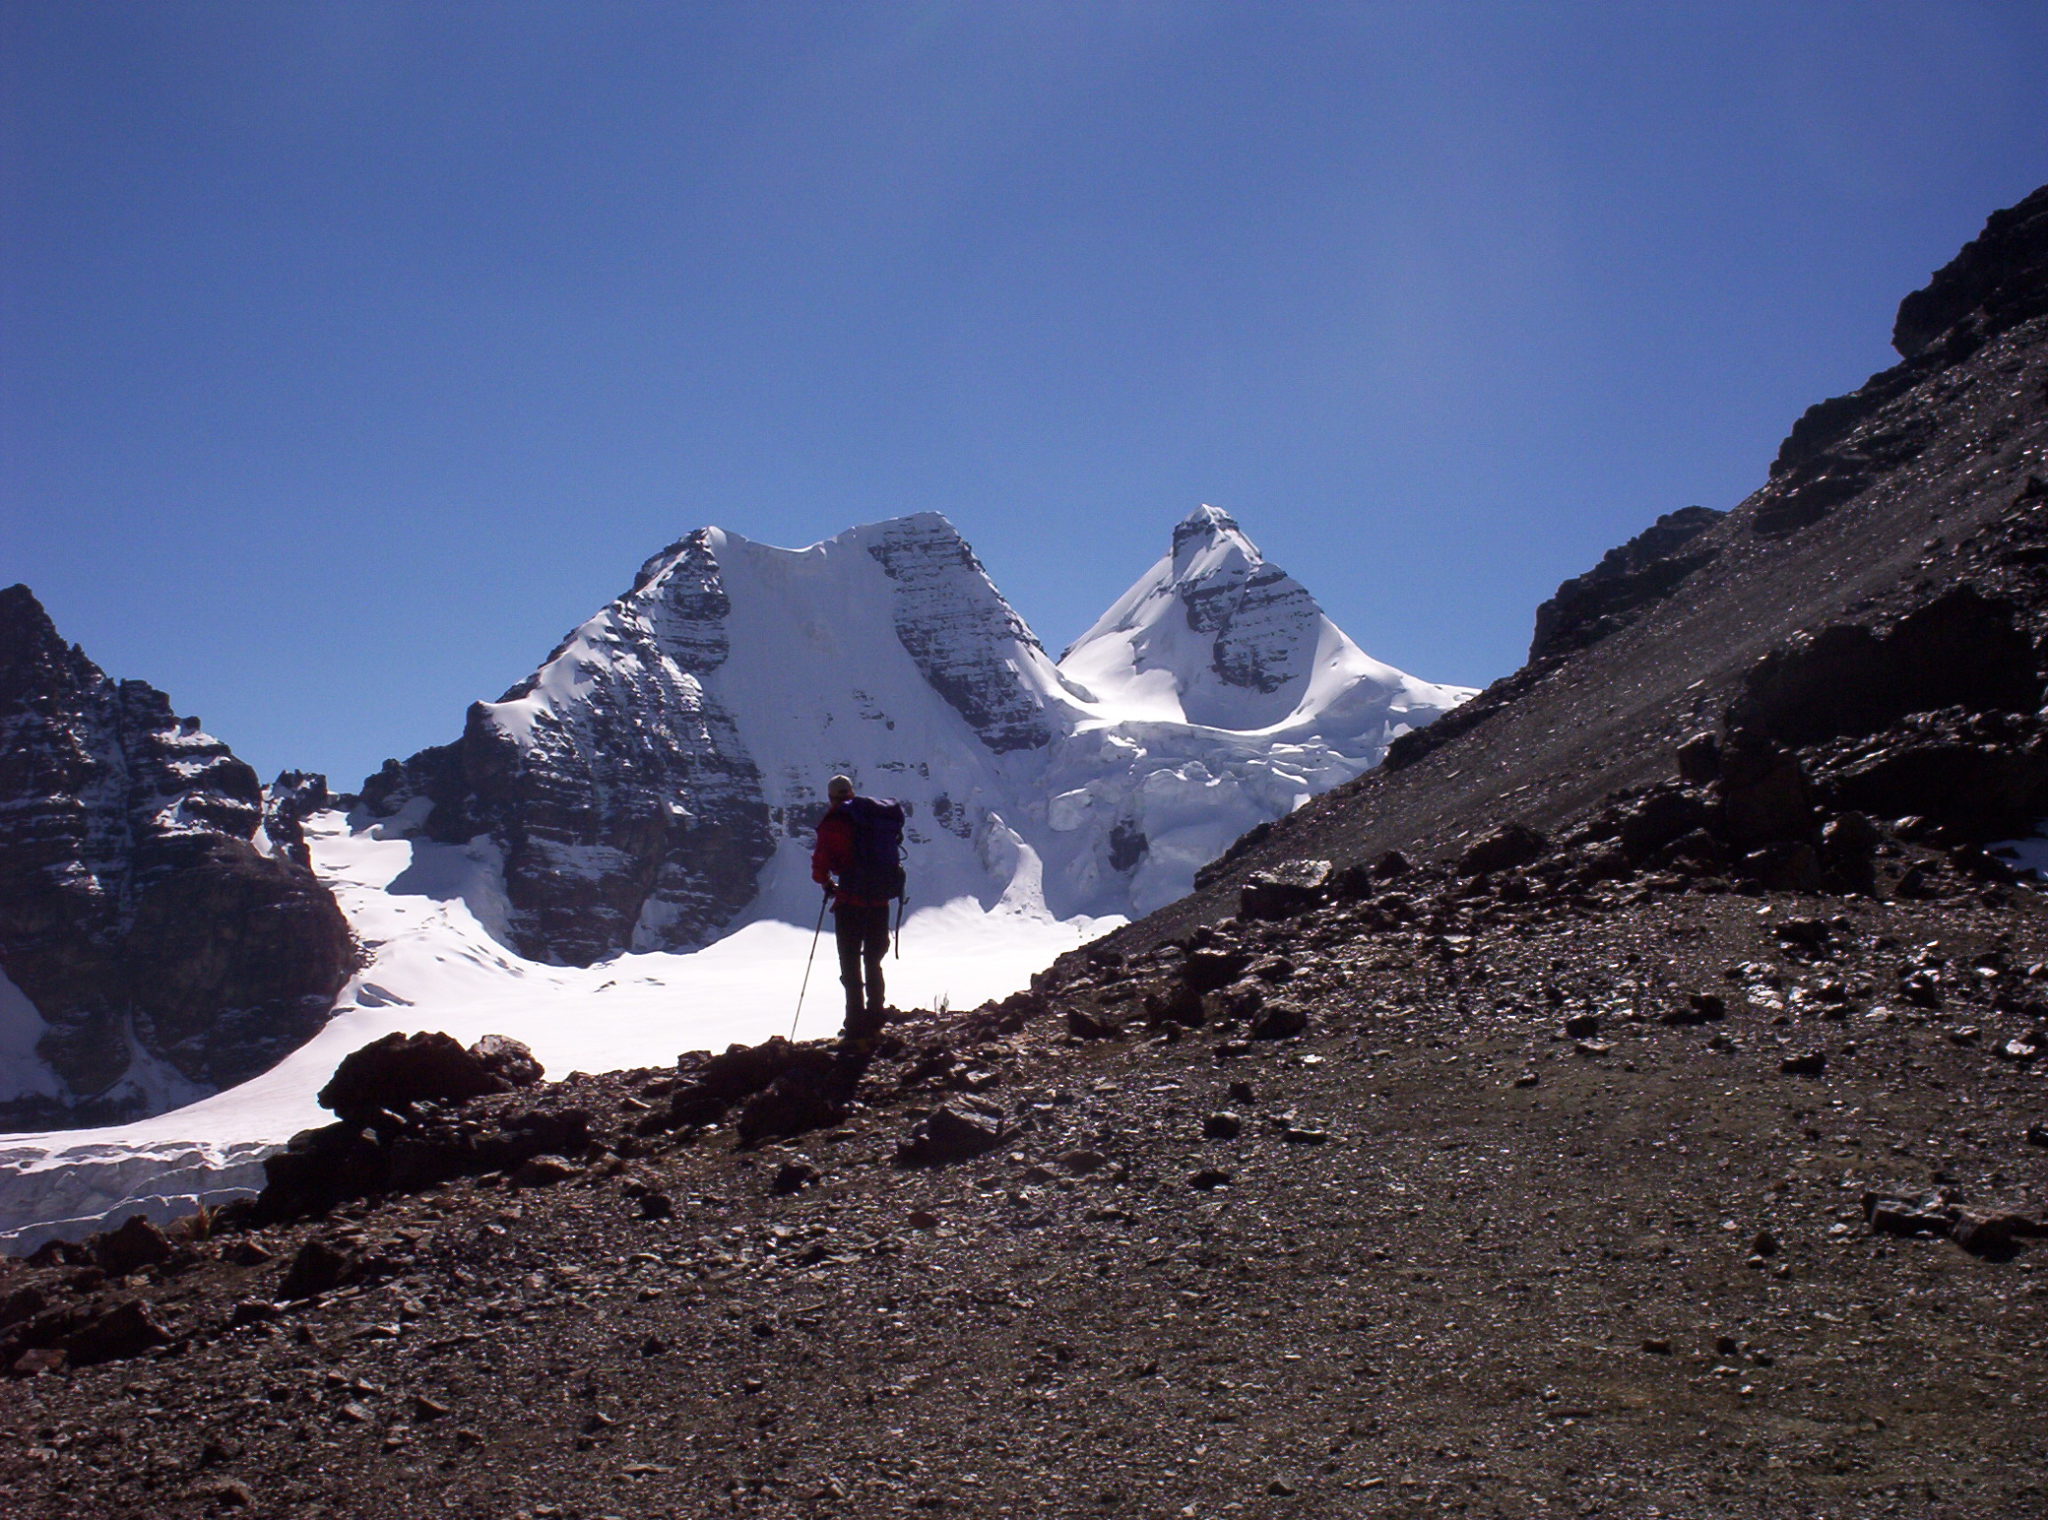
(655, 1205)
(1765, 1244)
(793, 1178)
(424, 1408)
(229, 1493)
(1699, 758)
(1657, 1345)
(1582, 1026)
(965, 1127)
(321, 1266)
(544, 1171)
(1085, 1025)
(1285, 890)
(1698, 1008)
(37, 1360)
(1082, 1162)
(1930, 1215)
(1809, 1063)
(135, 1245)
(1503, 849)
(1992, 1234)
(1209, 1177)
(128, 1329)
(507, 1058)
(1280, 1021)
(1222, 1126)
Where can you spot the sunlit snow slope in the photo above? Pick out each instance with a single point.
(654, 784)
(423, 911)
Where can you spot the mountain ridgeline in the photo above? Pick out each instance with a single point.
(657, 778)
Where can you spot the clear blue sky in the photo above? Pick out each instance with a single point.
(354, 352)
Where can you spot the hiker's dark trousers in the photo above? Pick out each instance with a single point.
(863, 933)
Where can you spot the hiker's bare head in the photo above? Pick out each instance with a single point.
(839, 788)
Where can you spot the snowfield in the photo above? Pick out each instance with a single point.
(424, 911)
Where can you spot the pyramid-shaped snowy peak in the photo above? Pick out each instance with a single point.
(1214, 635)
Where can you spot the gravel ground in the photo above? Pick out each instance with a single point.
(1454, 1261)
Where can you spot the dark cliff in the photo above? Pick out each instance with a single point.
(136, 912)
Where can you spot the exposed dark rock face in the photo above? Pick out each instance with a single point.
(287, 803)
(1650, 565)
(1962, 648)
(955, 624)
(1998, 282)
(135, 911)
(630, 816)
(1263, 620)
(1863, 636)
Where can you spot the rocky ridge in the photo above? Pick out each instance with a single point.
(165, 953)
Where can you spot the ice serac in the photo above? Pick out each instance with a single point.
(153, 950)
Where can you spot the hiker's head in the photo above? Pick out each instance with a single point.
(839, 788)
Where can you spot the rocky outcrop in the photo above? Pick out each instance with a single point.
(166, 953)
(1961, 649)
(395, 1072)
(1998, 281)
(1651, 565)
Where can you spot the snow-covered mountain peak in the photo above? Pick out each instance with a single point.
(1207, 533)
(1213, 635)
(654, 784)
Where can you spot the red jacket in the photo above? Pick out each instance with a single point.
(833, 855)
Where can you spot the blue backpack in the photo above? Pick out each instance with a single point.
(877, 868)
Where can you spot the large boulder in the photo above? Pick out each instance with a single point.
(400, 1070)
(1765, 794)
(964, 1127)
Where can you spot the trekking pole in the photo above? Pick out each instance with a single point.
(806, 987)
(899, 924)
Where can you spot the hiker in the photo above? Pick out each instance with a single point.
(858, 861)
